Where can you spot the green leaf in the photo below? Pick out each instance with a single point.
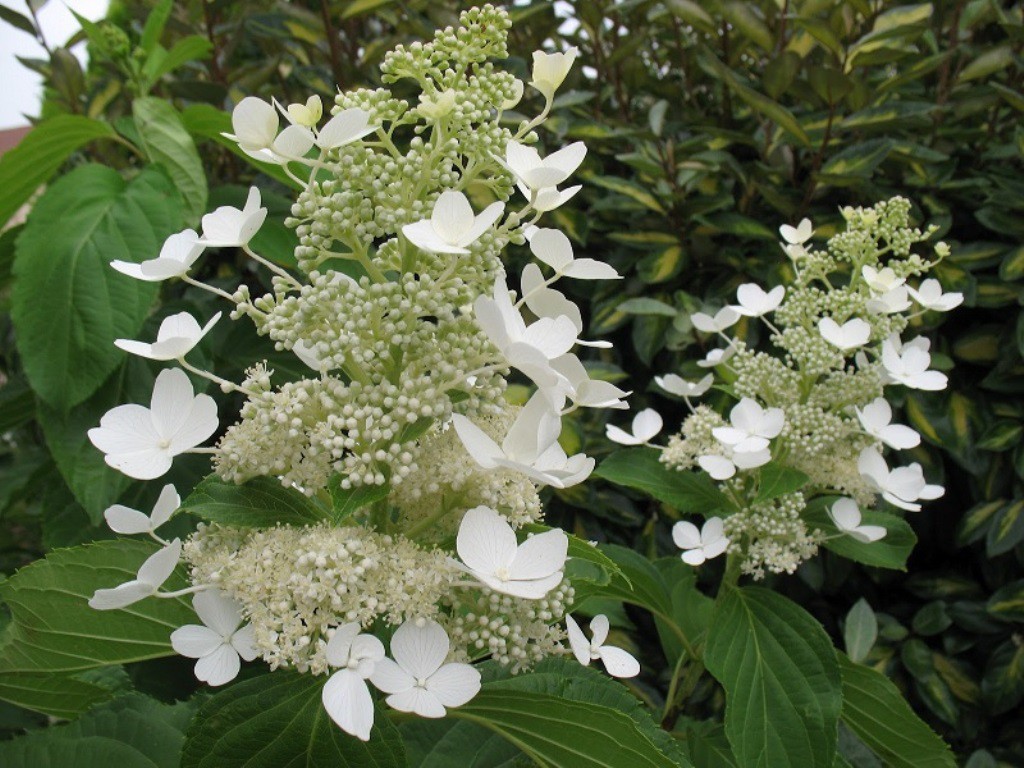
(1007, 529)
(40, 153)
(756, 101)
(641, 469)
(583, 552)
(358, 7)
(975, 522)
(54, 629)
(346, 501)
(68, 305)
(990, 61)
(860, 631)
(55, 695)
(188, 48)
(18, 21)
(149, 734)
(890, 552)
(1007, 602)
(626, 188)
(777, 480)
(278, 720)
(637, 581)
(781, 680)
(874, 710)
(857, 161)
(261, 503)
(155, 23)
(645, 306)
(449, 742)
(168, 144)
(567, 716)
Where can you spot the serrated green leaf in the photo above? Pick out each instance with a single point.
(891, 551)
(168, 144)
(640, 468)
(781, 680)
(776, 480)
(346, 501)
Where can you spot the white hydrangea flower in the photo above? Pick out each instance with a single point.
(930, 296)
(908, 365)
(553, 247)
(538, 173)
(178, 335)
(418, 680)
(850, 335)
(346, 696)
(141, 442)
(881, 280)
(617, 662)
(130, 521)
(876, 417)
(347, 126)
(584, 391)
(646, 426)
(677, 385)
(716, 357)
(846, 515)
(452, 226)
(177, 255)
(218, 643)
(724, 318)
(902, 487)
(151, 575)
(255, 125)
(549, 198)
(550, 70)
(752, 426)
(228, 226)
(890, 302)
(799, 234)
(490, 553)
(722, 466)
(755, 302)
(700, 545)
(531, 446)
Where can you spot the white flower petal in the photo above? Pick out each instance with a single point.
(418, 700)
(617, 662)
(389, 677)
(195, 641)
(126, 520)
(477, 443)
(420, 650)
(347, 700)
(219, 667)
(577, 641)
(685, 535)
(166, 505)
(540, 555)
(121, 595)
(485, 541)
(160, 565)
(454, 684)
(219, 612)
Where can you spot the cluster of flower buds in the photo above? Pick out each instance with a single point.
(422, 330)
(818, 407)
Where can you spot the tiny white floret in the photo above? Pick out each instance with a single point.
(617, 662)
(178, 335)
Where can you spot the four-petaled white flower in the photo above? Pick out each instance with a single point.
(178, 335)
(151, 575)
(490, 553)
(752, 426)
(584, 391)
(716, 357)
(346, 696)
(700, 545)
(881, 280)
(722, 466)
(418, 680)
(218, 642)
(130, 521)
(536, 173)
(553, 248)
(531, 446)
(550, 69)
(228, 226)
(255, 123)
(724, 318)
(876, 418)
(617, 662)
(890, 302)
(930, 296)
(902, 487)
(677, 385)
(908, 365)
(799, 234)
(177, 255)
(345, 127)
(846, 515)
(452, 226)
(850, 335)
(646, 425)
(528, 348)
(755, 302)
(141, 442)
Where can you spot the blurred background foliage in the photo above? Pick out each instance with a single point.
(709, 124)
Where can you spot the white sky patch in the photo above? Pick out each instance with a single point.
(23, 87)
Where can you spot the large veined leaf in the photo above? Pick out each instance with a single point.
(168, 144)
(891, 551)
(781, 680)
(874, 709)
(567, 716)
(261, 503)
(448, 742)
(53, 628)
(52, 694)
(38, 156)
(68, 305)
(278, 721)
(641, 469)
